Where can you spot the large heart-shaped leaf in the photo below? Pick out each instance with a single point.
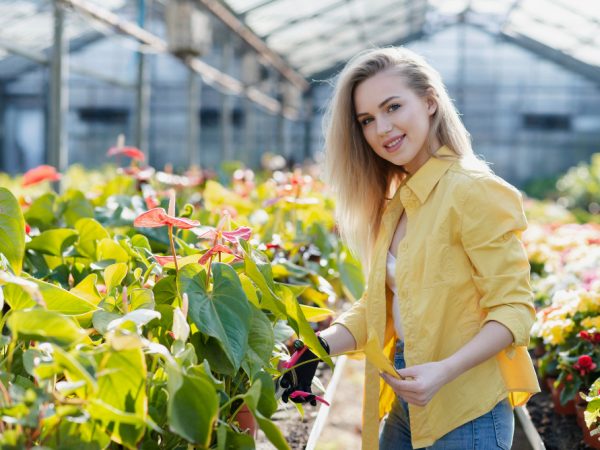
(77, 207)
(260, 343)
(53, 242)
(90, 232)
(12, 230)
(114, 275)
(223, 313)
(65, 302)
(193, 406)
(41, 212)
(122, 386)
(45, 326)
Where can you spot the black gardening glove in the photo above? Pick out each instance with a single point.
(299, 377)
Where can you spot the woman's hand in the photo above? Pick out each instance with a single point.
(419, 383)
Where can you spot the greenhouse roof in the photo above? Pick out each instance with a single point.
(314, 36)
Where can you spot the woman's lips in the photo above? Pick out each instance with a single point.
(393, 144)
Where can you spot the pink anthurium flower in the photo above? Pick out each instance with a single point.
(120, 149)
(214, 250)
(307, 394)
(39, 174)
(163, 260)
(230, 236)
(131, 152)
(158, 217)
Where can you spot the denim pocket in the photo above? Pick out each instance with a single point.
(504, 424)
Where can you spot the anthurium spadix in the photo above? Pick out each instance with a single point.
(158, 217)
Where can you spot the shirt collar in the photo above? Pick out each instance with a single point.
(427, 176)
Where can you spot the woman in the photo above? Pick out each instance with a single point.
(448, 293)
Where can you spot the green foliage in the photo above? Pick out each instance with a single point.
(12, 230)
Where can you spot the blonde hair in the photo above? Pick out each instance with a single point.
(361, 180)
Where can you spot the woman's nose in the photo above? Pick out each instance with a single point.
(383, 127)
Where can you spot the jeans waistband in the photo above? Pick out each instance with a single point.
(399, 346)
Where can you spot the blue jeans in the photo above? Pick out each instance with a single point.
(493, 430)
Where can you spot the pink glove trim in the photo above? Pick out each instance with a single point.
(306, 394)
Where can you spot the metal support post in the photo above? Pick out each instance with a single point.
(193, 144)
(308, 118)
(57, 144)
(142, 98)
(227, 152)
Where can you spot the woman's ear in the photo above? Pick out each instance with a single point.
(431, 101)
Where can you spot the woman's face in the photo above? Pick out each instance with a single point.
(394, 120)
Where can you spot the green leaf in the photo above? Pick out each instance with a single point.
(303, 328)
(62, 301)
(228, 439)
(122, 388)
(260, 343)
(114, 275)
(141, 298)
(109, 249)
(45, 326)
(224, 313)
(17, 297)
(12, 230)
(270, 300)
(193, 406)
(76, 208)
(269, 428)
(90, 232)
(41, 212)
(87, 290)
(314, 314)
(165, 291)
(53, 242)
(353, 280)
(101, 319)
(267, 403)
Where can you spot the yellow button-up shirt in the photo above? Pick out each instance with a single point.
(460, 265)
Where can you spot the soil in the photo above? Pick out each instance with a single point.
(558, 432)
(287, 418)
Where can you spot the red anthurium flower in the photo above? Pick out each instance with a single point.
(214, 250)
(163, 260)
(27, 228)
(230, 236)
(39, 174)
(131, 152)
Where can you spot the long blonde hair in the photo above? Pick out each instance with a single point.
(361, 180)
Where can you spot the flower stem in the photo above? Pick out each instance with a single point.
(173, 249)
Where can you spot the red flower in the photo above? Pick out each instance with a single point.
(163, 260)
(229, 236)
(27, 228)
(39, 174)
(131, 152)
(585, 335)
(584, 364)
(213, 250)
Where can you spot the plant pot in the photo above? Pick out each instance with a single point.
(539, 350)
(579, 410)
(591, 441)
(246, 421)
(567, 409)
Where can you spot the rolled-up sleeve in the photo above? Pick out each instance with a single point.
(492, 222)
(354, 320)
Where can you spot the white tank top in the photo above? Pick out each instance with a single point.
(391, 282)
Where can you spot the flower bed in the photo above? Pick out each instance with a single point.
(565, 261)
(152, 309)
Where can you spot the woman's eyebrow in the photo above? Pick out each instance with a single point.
(380, 105)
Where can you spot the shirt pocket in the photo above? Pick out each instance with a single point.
(439, 264)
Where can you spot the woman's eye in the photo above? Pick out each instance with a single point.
(393, 107)
(365, 122)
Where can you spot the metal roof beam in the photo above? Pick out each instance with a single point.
(298, 20)
(588, 71)
(210, 75)
(328, 34)
(258, 6)
(41, 59)
(242, 30)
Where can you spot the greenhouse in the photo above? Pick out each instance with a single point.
(237, 224)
